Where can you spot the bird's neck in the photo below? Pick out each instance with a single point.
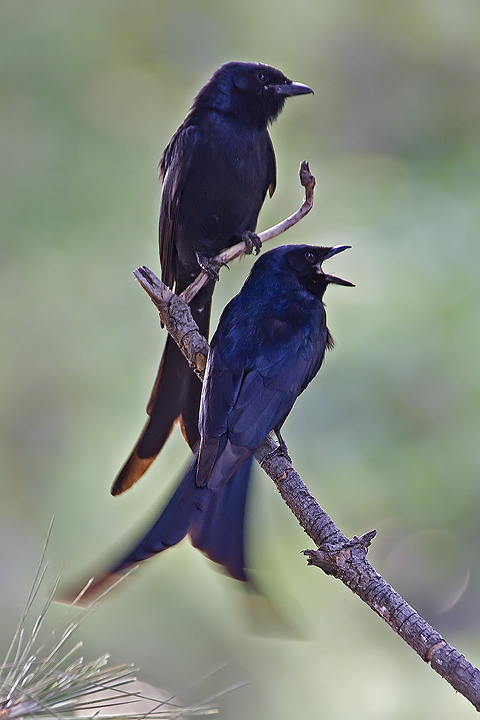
(247, 111)
(317, 286)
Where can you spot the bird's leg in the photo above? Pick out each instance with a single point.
(210, 265)
(281, 449)
(282, 445)
(252, 241)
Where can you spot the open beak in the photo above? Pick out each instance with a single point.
(293, 88)
(332, 278)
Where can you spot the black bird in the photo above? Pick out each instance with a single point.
(270, 343)
(216, 172)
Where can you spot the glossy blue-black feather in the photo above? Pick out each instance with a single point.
(270, 342)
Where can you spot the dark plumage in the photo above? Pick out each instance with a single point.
(270, 343)
(216, 172)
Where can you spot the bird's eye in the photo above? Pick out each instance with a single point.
(262, 76)
(309, 255)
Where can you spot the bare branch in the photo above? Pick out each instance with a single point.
(177, 319)
(336, 555)
(307, 181)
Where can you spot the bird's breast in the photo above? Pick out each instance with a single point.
(223, 192)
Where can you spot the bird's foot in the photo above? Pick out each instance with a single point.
(281, 449)
(282, 445)
(252, 241)
(210, 265)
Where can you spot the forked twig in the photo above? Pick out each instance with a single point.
(307, 180)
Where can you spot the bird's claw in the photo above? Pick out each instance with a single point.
(281, 449)
(282, 445)
(252, 241)
(210, 265)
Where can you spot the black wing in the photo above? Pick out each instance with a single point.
(249, 394)
(174, 168)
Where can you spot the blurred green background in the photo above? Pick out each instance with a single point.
(387, 436)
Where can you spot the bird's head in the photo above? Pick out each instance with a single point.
(253, 91)
(306, 262)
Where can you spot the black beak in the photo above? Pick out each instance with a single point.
(293, 88)
(332, 278)
(335, 250)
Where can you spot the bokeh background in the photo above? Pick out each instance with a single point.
(388, 435)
